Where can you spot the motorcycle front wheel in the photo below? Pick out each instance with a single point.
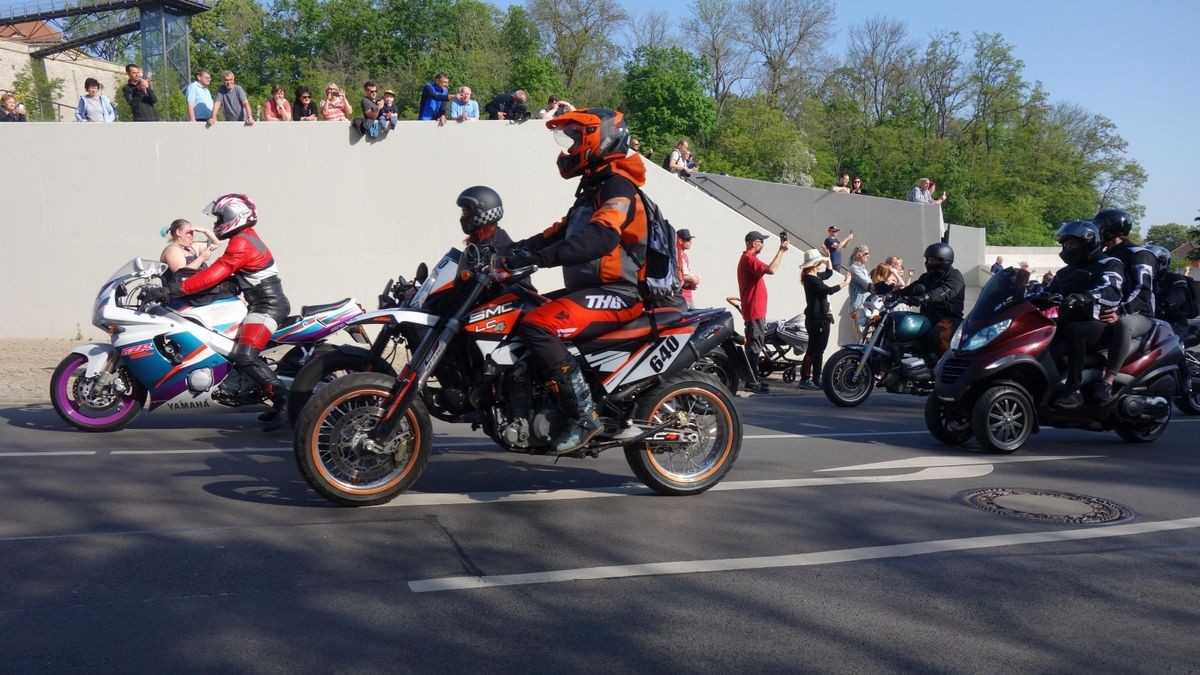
(841, 386)
(700, 442)
(85, 404)
(336, 456)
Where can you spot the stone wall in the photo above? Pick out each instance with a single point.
(72, 67)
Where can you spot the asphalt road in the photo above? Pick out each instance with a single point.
(191, 543)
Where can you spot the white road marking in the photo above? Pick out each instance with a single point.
(848, 434)
(199, 451)
(456, 498)
(62, 453)
(800, 559)
(923, 462)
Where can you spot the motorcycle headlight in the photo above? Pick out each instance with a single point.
(956, 338)
(986, 335)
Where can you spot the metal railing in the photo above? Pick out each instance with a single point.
(41, 10)
(34, 108)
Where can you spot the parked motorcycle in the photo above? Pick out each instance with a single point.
(999, 377)
(176, 355)
(364, 438)
(891, 353)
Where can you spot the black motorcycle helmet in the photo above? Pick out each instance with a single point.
(1163, 256)
(1080, 240)
(943, 252)
(1113, 223)
(481, 206)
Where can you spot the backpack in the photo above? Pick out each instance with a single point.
(1191, 307)
(667, 161)
(663, 282)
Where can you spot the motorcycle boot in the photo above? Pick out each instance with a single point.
(248, 360)
(575, 399)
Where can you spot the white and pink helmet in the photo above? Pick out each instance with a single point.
(234, 213)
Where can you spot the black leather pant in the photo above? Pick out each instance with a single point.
(1121, 341)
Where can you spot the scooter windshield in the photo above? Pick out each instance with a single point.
(1003, 290)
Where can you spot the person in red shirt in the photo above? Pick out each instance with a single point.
(752, 290)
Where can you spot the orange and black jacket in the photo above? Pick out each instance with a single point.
(603, 236)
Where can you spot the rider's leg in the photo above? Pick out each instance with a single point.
(1080, 335)
(1120, 345)
(246, 356)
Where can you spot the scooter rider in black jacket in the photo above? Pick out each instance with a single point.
(1090, 284)
(1173, 294)
(1135, 316)
(944, 298)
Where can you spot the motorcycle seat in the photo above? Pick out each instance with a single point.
(309, 310)
(640, 327)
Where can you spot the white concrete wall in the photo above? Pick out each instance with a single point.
(1041, 259)
(341, 214)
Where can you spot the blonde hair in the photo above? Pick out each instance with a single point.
(881, 272)
(4, 98)
(891, 260)
(171, 231)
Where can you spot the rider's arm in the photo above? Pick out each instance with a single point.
(952, 284)
(602, 234)
(1141, 273)
(1106, 291)
(235, 257)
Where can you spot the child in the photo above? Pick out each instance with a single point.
(388, 111)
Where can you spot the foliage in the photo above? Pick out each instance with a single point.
(757, 140)
(38, 92)
(665, 97)
(1170, 236)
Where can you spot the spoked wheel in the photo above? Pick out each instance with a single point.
(106, 402)
(718, 365)
(1188, 401)
(336, 455)
(841, 385)
(327, 367)
(700, 442)
(946, 423)
(1002, 419)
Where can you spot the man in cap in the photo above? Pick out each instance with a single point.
(752, 290)
(834, 245)
(690, 279)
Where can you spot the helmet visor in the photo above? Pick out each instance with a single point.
(569, 136)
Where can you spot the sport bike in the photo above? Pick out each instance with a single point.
(173, 357)
(364, 438)
(999, 377)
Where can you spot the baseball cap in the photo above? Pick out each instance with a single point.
(755, 234)
(834, 228)
(685, 235)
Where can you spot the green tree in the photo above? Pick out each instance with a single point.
(37, 91)
(665, 96)
(1170, 236)
(757, 140)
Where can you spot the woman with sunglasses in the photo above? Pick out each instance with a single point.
(335, 107)
(182, 251)
(303, 108)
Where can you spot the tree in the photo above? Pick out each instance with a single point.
(651, 28)
(996, 87)
(781, 33)
(38, 92)
(665, 98)
(579, 33)
(714, 26)
(878, 61)
(942, 81)
(1170, 236)
(757, 140)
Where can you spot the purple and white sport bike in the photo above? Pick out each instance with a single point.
(174, 356)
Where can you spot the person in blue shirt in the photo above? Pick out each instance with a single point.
(433, 99)
(463, 107)
(199, 98)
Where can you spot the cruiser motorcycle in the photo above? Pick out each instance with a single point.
(364, 438)
(174, 355)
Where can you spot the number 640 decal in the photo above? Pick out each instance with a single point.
(664, 354)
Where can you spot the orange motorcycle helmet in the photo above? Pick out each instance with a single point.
(591, 138)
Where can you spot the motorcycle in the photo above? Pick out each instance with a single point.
(176, 355)
(365, 437)
(997, 381)
(1188, 400)
(890, 353)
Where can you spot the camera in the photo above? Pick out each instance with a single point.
(562, 106)
(519, 113)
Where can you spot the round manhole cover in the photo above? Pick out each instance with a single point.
(1046, 506)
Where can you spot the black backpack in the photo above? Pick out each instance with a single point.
(663, 283)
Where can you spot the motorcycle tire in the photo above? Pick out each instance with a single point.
(326, 449)
(837, 379)
(717, 364)
(945, 424)
(109, 413)
(327, 367)
(1143, 432)
(1189, 401)
(687, 467)
(1002, 419)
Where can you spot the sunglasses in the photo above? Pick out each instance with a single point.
(305, 97)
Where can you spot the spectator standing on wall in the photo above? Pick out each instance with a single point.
(834, 245)
(843, 184)
(933, 191)
(199, 98)
(997, 267)
(509, 107)
(752, 289)
(555, 106)
(10, 110)
(676, 162)
(139, 95)
(691, 280)
(277, 108)
(434, 96)
(303, 109)
(463, 107)
(920, 193)
(94, 106)
(856, 188)
(233, 100)
(335, 107)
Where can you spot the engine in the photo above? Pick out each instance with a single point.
(523, 414)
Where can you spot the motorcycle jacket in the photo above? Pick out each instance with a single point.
(1174, 300)
(597, 241)
(248, 260)
(1139, 278)
(1104, 283)
(945, 295)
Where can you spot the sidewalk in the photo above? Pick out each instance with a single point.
(26, 367)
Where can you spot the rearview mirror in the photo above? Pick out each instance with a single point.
(422, 273)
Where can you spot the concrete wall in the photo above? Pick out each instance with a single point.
(1041, 259)
(72, 67)
(341, 214)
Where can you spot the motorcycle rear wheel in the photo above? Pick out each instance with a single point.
(79, 405)
(948, 425)
(328, 442)
(327, 367)
(718, 365)
(700, 405)
(1143, 432)
(837, 379)
(1188, 402)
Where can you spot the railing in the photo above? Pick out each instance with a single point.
(733, 201)
(35, 108)
(35, 10)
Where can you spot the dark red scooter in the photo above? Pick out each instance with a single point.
(998, 378)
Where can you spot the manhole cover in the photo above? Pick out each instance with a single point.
(1046, 506)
